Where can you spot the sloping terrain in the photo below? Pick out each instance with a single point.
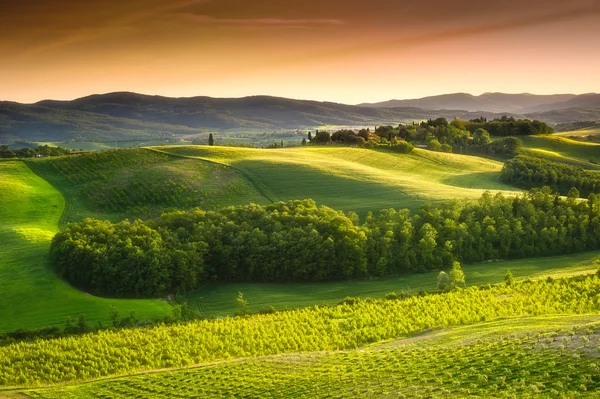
(562, 149)
(354, 179)
(140, 183)
(522, 357)
(130, 116)
(135, 116)
(33, 296)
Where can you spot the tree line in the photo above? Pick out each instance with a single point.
(298, 241)
(528, 172)
(459, 136)
(42, 150)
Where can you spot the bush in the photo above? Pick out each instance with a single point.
(443, 281)
(349, 301)
(434, 145)
(446, 148)
(402, 147)
(509, 279)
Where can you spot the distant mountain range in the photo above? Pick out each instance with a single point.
(496, 102)
(129, 115)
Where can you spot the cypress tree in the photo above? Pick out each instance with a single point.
(211, 140)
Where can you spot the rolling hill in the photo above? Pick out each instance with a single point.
(489, 102)
(142, 182)
(33, 296)
(355, 179)
(117, 184)
(129, 116)
(562, 149)
(518, 357)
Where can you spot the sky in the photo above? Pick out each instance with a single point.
(348, 51)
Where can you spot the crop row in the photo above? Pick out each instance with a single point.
(551, 363)
(347, 326)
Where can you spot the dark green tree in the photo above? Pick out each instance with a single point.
(443, 281)
(211, 139)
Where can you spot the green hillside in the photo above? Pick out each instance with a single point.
(32, 295)
(524, 357)
(591, 131)
(562, 149)
(355, 179)
(540, 336)
(116, 184)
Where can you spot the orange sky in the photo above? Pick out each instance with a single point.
(347, 51)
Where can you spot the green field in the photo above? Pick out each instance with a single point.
(562, 149)
(219, 299)
(32, 295)
(140, 183)
(524, 357)
(537, 338)
(594, 131)
(541, 333)
(105, 145)
(355, 179)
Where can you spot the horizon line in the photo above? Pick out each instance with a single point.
(289, 98)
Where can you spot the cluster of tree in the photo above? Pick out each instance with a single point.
(440, 135)
(528, 172)
(509, 126)
(456, 136)
(298, 241)
(42, 150)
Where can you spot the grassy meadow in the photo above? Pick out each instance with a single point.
(141, 182)
(33, 296)
(562, 149)
(138, 183)
(592, 131)
(535, 338)
(355, 179)
(219, 299)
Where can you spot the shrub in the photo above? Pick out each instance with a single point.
(434, 145)
(402, 147)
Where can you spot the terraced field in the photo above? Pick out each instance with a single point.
(562, 149)
(354, 179)
(32, 294)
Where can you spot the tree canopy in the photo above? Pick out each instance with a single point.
(299, 241)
